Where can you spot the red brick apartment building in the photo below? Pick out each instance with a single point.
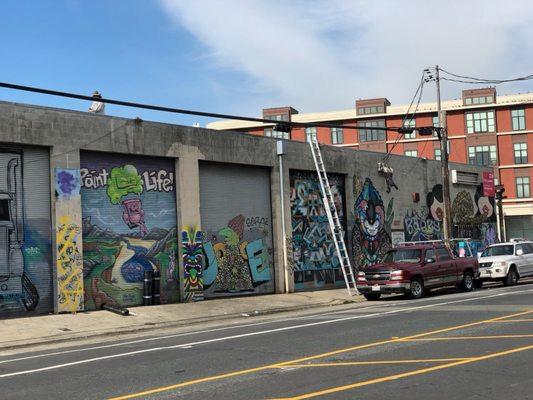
(483, 129)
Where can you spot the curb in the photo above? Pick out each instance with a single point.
(146, 328)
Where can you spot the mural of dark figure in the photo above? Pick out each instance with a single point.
(15, 284)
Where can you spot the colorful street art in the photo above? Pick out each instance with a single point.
(314, 255)
(24, 250)
(474, 218)
(237, 259)
(68, 238)
(371, 236)
(419, 225)
(192, 253)
(129, 227)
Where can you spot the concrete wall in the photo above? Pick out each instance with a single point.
(374, 218)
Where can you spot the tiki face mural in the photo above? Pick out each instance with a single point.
(371, 233)
(435, 203)
(191, 241)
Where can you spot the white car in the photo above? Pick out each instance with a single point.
(506, 262)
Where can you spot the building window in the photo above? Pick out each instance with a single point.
(310, 133)
(411, 153)
(522, 186)
(479, 100)
(409, 123)
(277, 134)
(438, 154)
(478, 122)
(370, 135)
(278, 117)
(519, 119)
(482, 155)
(370, 110)
(337, 136)
(520, 153)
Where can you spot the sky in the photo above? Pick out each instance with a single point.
(239, 56)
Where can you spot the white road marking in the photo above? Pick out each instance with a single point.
(224, 338)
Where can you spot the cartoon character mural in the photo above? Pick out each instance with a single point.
(314, 255)
(129, 227)
(237, 259)
(371, 233)
(474, 218)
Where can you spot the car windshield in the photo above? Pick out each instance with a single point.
(402, 255)
(493, 251)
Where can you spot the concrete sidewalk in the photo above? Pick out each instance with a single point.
(45, 329)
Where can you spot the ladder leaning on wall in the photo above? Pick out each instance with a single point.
(335, 226)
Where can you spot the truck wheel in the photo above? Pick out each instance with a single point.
(416, 289)
(467, 284)
(372, 296)
(512, 277)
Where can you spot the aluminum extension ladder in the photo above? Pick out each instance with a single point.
(333, 218)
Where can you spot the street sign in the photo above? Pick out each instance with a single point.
(488, 184)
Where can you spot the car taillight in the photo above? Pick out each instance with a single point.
(396, 275)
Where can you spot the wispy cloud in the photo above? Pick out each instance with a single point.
(323, 54)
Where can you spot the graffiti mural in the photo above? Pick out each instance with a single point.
(192, 253)
(314, 255)
(25, 242)
(425, 223)
(371, 233)
(238, 260)
(129, 227)
(68, 238)
(474, 217)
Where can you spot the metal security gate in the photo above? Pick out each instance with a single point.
(236, 222)
(129, 227)
(316, 265)
(25, 232)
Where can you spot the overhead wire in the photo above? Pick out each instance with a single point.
(183, 111)
(418, 93)
(471, 79)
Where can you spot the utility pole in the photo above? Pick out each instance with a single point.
(443, 137)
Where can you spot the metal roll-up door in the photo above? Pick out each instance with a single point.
(236, 219)
(315, 262)
(25, 231)
(129, 227)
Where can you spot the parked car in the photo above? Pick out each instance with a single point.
(413, 268)
(506, 262)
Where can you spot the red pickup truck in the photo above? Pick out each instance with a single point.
(414, 268)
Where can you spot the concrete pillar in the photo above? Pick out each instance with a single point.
(67, 246)
(281, 272)
(189, 221)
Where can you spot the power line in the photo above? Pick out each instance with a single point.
(185, 111)
(418, 92)
(472, 79)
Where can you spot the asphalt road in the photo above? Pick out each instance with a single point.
(475, 345)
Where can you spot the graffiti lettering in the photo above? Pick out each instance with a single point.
(159, 181)
(257, 221)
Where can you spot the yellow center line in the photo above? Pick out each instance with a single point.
(348, 363)
(467, 338)
(407, 374)
(516, 320)
(314, 357)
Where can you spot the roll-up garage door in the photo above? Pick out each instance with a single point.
(25, 231)
(237, 225)
(129, 227)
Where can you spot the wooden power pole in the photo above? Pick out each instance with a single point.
(443, 137)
